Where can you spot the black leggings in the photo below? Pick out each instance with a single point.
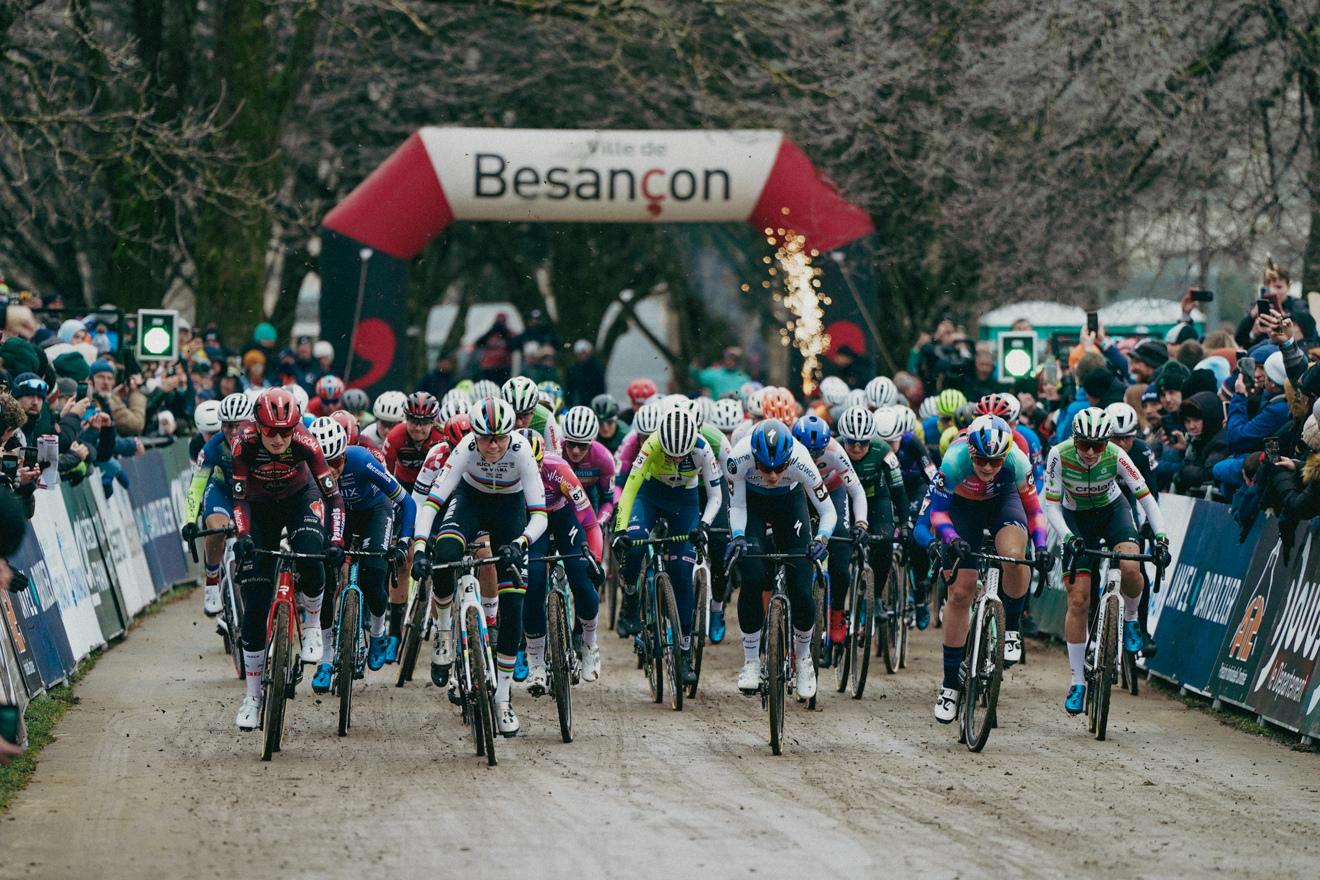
(373, 527)
(300, 515)
(788, 520)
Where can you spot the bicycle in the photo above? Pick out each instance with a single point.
(854, 655)
(657, 645)
(778, 659)
(563, 664)
(701, 591)
(415, 623)
(350, 633)
(891, 618)
(473, 687)
(229, 625)
(283, 670)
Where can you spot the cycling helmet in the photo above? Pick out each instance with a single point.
(856, 423)
(996, 405)
(605, 407)
(349, 423)
(1122, 420)
(236, 407)
(779, 404)
(277, 408)
(881, 391)
(552, 395)
(421, 407)
(331, 436)
(648, 418)
(207, 416)
(856, 397)
(580, 425)
(329, 388)
(989, 437)
(705, 409)
(755, 403)
(964, 416)
(948, 402)
(484, 389)
(299, 395)
(449, 410)
(389, 406)
(889, 423)
(678, 432)
(521, 394)
(772, 444)
(727, 414)
(252, 394)
(458, 397)
(1091, 424)
(356, 400)
(833, 390)
(640, 390)
(929, 407)
(535, 441)
(812, 432)
(908, 419)
(491, 417)
(456, 428)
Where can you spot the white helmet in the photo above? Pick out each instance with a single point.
(705, 408)
(451, 408)
(331, 435)
(929, 407)
(684, 403)
(236, 408)
(1122, 419)
(648, 418)
(727, 414)
(888, 423)
(299, 394)
(754, 403)
(520, 393)
(457, 396)
(491, 417)
(678, 432)
(484, 389)
(881, 391)
(580, 424)
(833, 390)
(1091, 424)
(207, 416)
(856, 397)
(389, 406)
(856, 423)
(907, 418)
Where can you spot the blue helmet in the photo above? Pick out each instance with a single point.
(812, 432)
(990, 437)
(772, 444)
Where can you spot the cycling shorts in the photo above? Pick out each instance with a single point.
(971, 518)
(1112, 524)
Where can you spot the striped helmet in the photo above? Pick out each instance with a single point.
(856, 423)
(521, 394)
(389, 406)
(491, 417)
(648, 418)
(331, 436)
(727, 414)
(881, 391)
(580, 425)
(678, 432)
(833, 390)
(535, 441)
(236, 407)
(1092, 424)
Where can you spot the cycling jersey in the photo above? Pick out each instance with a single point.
(404, 456)
(365, 483)
(561, 488)
(543, 423)
(745, 477)
(371, 436)
(596, 474)
(914, 460)
(214, 467)
(882, 480)
(716, 441)
(512, 473)
(698, 466)
(957, 479)
(1071, 485)
(836, 470)
(431, 467)
(260, 474)
(615, 440)
(742, 432)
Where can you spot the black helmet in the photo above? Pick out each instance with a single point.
(605, 407)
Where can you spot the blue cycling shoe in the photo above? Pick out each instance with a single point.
(376, 649)
(392, 650)
(717, 627)
(520, 667)
(321, 680)
(1075, 702)
(923, 615)
(1132, 638)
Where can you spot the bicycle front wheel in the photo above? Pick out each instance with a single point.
(670, 631)
(902, 611)
(887, 621)
(862, 614)
(233, 623)
(483, 713)
(844, 660)
(653, 653)
(413, 626)
(274, 684)
(559, 643)
(700, 623)
(1103, 679)
(776, 666)
(611, 589)
(347, 639)
(981, 689)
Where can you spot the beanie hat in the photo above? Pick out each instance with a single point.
(28, 385)
(71, 327)
(72, 365)
(1095, 382)
(100, 367)
(1152, 352)
(1179, 333)
(1275, 370)
(1309, 383)
(1173, 376)
(68, 387)
(265, 332)
(1200, 380)
(20, 356)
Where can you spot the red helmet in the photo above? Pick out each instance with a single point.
(778, 403)
(456, 429)
(277, 409)
(350, 423)
(421, 407)
(641, 390)
(995, 405)
(330, 388)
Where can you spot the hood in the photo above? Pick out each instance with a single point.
(1207, 405)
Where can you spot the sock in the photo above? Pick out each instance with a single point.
(311, 604)
(1013, 612)
(536, 651)
(503, 678)
(1131, 604)
(953, 658)
(328, 645)
(212, 574)
(396, 619)
(254, 664)
(377, 625)
(716, 607)
(490, 606)
(1077, 662)
(685, 642)
(589, 631)
(802, 642)
(444, 617)
(752, 647)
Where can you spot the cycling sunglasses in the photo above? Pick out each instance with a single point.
(276, 432)
(1091, 445)
(769, 470)
(574, 444)
(851, 442)
(982, 461)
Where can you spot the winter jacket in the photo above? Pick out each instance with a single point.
(1244, 433)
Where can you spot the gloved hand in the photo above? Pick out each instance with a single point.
(1076, 545)
(594, 571)
(1044, 561)
(904, 534)
(955, 551)
(396, 554)
(700, 536)
(334, 557)
(1161, 551)
(421, 566)
(858, 533)
(244, 549)
(736, 548)
(515, 552)
(190, 531)
(816, 550)
(619, 544)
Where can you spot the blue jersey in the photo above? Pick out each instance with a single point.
(365, 483)
(217, 461)
(1034, 454)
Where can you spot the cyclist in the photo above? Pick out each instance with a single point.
(933, 428)
(640, 392)
(1085, 505)
(755, 414)
(984, 483)
(372, 498)
(206, 418)
(644, 424)
(881, 391)
(492, 484)
(280, 466)
(388, 410)
(663, 483)
(1124, 425)
(522, 394)
(850, 508)
(572, 528)
(726, 416)
(209, 492)
(592, 463)
(329, 396)
(612, 431)
(552, 396)
(766, 470)
(357, 403)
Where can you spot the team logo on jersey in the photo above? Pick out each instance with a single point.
(318, 508)
(733, 467)
(797, 527)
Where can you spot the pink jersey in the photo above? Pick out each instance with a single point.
(632, 444)
(561, 487)
(596, 473)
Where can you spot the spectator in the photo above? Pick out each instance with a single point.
(1170, 387)
(1193, 452)
(1189, 352)
(254, 370)
(15, 478)
(1152, 411)
(1090, 368)
(586, 377)
(910, 387)
(30, 391)
(126, 404)
(981, 380)
(306, 369)
(539, 365)
(1244, 433)
(722, 378)
(324, 353)
(263, 341)
(539, 331)
(440, 380)
(494, 351)
(1147, 358)
(842, 362)
(12, 531)
(1251, 330)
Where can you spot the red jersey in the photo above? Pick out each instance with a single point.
(261, 474)
(404, 457)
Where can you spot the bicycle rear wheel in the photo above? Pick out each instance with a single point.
(862, 613)
(559, 642)
(820, 653)
(483, 722)
(653, 655)
(887, 621)
(1103, 680)
(776, 665)
(413, 626)
(670, 630)
(274, 685)
(901, 612)
(347, 639)
(843, 654)
(981, 688)
(233, 623)
(700, 622)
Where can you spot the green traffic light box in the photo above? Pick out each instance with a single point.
(1017, 355)
(157, 334)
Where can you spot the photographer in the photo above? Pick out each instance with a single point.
(126, 404)
(17, 476)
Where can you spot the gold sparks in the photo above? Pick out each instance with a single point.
(806, 330)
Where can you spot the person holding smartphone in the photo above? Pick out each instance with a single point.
(1245, 433)
(1273, 297)
(12, 531)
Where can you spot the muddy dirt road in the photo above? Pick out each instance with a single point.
(149, 778)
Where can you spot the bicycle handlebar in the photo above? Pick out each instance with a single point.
(1070, 571)
(206, 533)
(288, 554)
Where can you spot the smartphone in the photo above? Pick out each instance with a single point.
(1272, 449)
(1093, 322)
(1247, 369)
(81, 392)
(9, 466)
(9, 723)
(29, 456)
(1264, 306)
(1202, 296)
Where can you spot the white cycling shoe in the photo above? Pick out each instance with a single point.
(946, 705)
(249, 714)
(806, 679)
(749, 678)
(505, 720)
(312, 645)
(590, 664)
(1012, 647)
(211, 599)
(536, 679)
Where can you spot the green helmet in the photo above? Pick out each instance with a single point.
(948, 402)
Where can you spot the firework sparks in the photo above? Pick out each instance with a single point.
(805, 330)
